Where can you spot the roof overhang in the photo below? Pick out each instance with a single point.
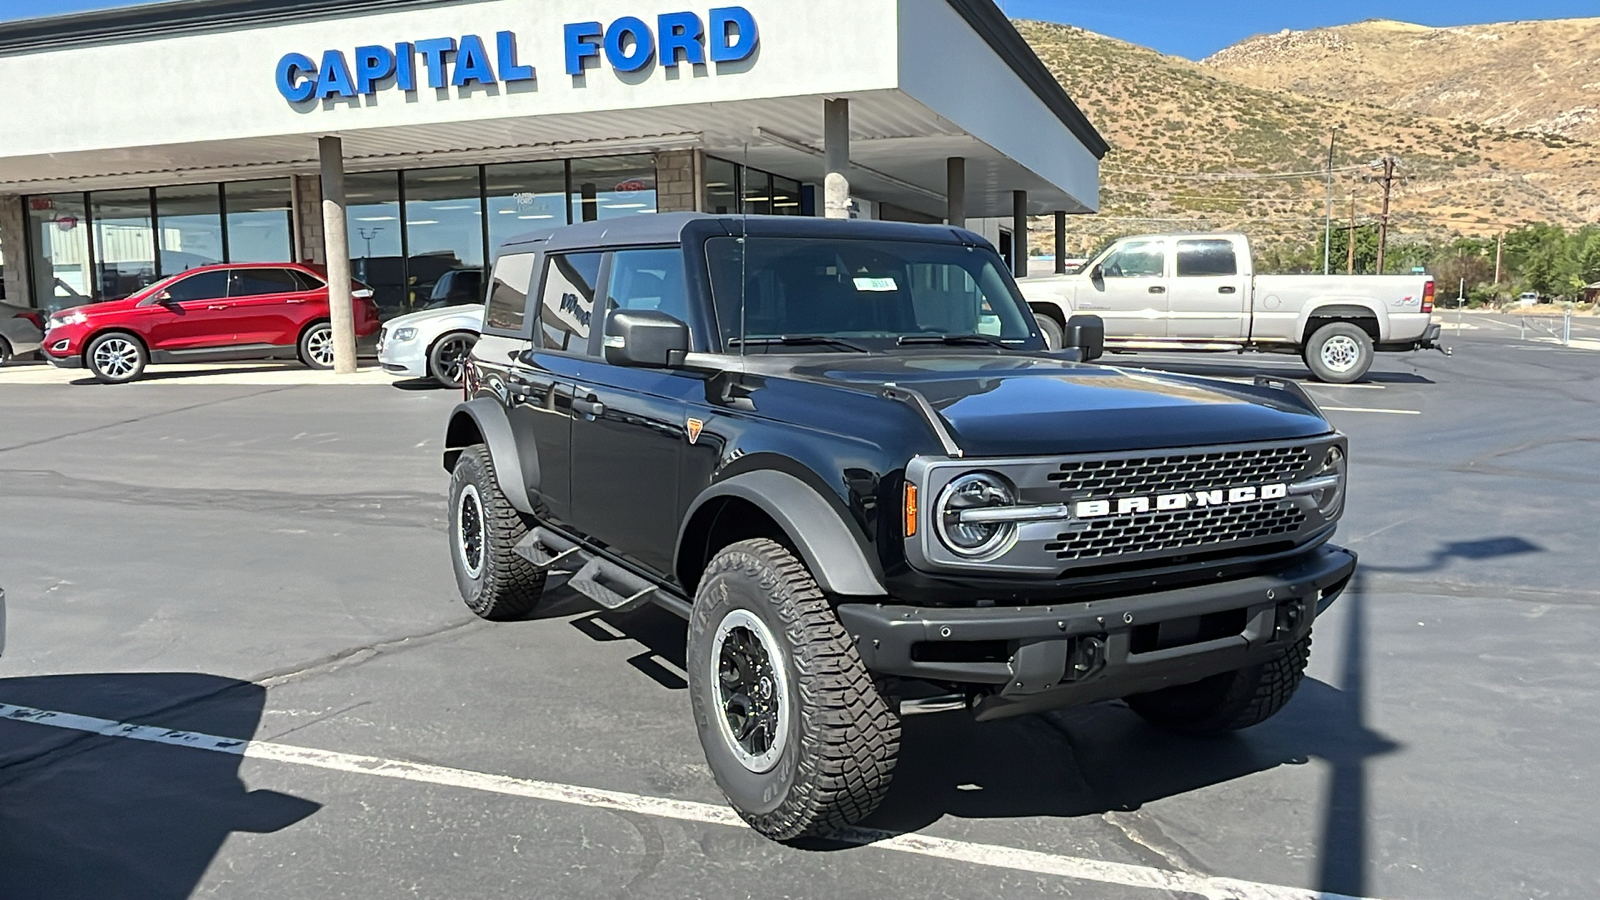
(186, 91)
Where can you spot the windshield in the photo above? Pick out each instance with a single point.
(869, 294)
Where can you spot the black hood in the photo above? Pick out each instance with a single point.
(1018, 405)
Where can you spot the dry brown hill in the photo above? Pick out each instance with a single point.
(1193, 147)
(1541, 77)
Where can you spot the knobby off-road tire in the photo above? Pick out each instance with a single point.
(116, 358)
(1339, 353)
(830, 761)
(1230, 701)
(495, 582)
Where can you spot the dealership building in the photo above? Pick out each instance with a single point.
(139, 142)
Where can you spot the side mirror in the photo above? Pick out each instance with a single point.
(645, 338)
(164, 298)
(1096, 273)
(1088, 335)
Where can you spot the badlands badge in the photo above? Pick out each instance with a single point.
(695, 427)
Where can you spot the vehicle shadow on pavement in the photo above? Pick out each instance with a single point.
(1244, 370)
(82, 815)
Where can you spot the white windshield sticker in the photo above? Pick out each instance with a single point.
(876, 284)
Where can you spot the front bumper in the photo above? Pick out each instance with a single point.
(409, 359)
(64, 362)
(1035, 658)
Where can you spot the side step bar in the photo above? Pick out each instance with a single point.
(601, 580)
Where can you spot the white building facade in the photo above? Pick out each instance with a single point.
(144, 141)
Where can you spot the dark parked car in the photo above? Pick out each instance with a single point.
(227, 312)
(843, 452)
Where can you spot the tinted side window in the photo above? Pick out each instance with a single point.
(256, 282)
(649, 279)
(204, 286)
(567, 306)
(1140, 259)
(306, 282)
(508, 297)
(1199, 258)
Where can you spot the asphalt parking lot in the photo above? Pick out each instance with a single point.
(267, 562)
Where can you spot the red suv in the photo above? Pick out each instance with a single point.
(239, 311)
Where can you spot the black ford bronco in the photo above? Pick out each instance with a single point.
(843, 452)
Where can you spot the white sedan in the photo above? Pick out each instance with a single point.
(432, 344)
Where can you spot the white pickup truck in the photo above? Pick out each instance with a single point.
(1200, 292)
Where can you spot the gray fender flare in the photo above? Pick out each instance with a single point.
(826, 544)
(489, 417)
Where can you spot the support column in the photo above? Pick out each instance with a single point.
(14, 252)
(335, 229)
(1019, 233)
(1061, 242)
(836, 150)
(955, 191)
(309, 241)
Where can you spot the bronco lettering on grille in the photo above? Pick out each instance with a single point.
(1124, 506)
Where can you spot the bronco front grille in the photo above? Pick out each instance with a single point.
(1177, 472)
(1167, 532)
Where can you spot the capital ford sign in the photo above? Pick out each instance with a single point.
(629, 44)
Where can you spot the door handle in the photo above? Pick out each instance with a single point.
(216, 307)
(295, 301)
(1157, 289)
(589, 407)
(1227, 289)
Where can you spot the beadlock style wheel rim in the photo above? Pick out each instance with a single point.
(752, 691)
(1340, 353)
(319, 346)
(116, 358)
(470, 531)
(453, 358)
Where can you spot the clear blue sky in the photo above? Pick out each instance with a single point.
(1192, 28)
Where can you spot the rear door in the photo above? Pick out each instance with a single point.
(1209, 292)
(193, 315)
(1131, 293)
(267, 304)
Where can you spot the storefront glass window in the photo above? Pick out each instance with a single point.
(722, 188)
(124, 242)
(444, 229)
(610, 187)
(757, 193)
(376, 258)
(260, 221)
(190, 227)
(785, 197)
(59, 226)
(525, 197)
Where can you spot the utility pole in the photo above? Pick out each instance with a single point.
(1327, 234)
(1350, 243)
(1383, 223)
(1499, 256)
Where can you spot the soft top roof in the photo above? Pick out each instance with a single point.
(669, 228)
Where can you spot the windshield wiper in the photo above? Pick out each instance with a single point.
(949, 340)
(798, 340)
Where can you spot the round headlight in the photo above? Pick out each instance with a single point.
(1330, 500)
(974, 491)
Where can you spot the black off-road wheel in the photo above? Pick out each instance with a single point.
(495, 582)
(1339, 353)
(794, 728)
(1230, 701)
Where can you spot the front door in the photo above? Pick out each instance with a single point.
(1209, 297)
(193, 314)
(630, 426)
(1131, 293)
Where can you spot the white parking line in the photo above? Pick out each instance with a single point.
(1364, 409)
(989, 855)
